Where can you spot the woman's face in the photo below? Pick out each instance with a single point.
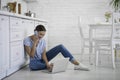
(41, 34)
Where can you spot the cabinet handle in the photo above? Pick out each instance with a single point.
(17, 53)
(22, 21)
(16, 22)
(17, 35)
(2, 19)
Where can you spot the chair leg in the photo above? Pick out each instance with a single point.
(82, 52)
(97, 57)
(113, 58)
(90, 62)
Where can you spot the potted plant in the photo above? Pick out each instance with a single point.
(107, 16)
(115, 4)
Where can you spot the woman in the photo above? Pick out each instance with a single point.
(35, 46)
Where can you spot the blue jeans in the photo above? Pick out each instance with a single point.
(40, 64)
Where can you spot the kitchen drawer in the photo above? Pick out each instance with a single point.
(4, 18)
(16, 53)
(15, 22)
(16, 34)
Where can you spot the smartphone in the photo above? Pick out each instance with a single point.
(36, 33)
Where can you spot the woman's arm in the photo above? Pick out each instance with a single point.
(44, 57)
(30, 51)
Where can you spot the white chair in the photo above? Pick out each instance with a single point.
(102, 41)
(109, 45)
(84, 40)
(116, 32)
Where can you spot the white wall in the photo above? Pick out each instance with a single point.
(62, 16)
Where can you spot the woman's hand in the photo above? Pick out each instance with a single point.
(35, 40)
(49, 67)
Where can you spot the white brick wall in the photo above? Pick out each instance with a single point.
(62, 16)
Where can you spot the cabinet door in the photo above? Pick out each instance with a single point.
(16, 54)
(28, 27)
(4, 45)
(16, 30)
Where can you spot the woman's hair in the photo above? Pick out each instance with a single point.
(40, 28)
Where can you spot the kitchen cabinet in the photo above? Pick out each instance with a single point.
(16, 45)
(4, 45)
(13, 30)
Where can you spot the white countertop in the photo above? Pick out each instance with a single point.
(20, 16)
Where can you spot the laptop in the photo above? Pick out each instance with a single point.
(59, 65)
